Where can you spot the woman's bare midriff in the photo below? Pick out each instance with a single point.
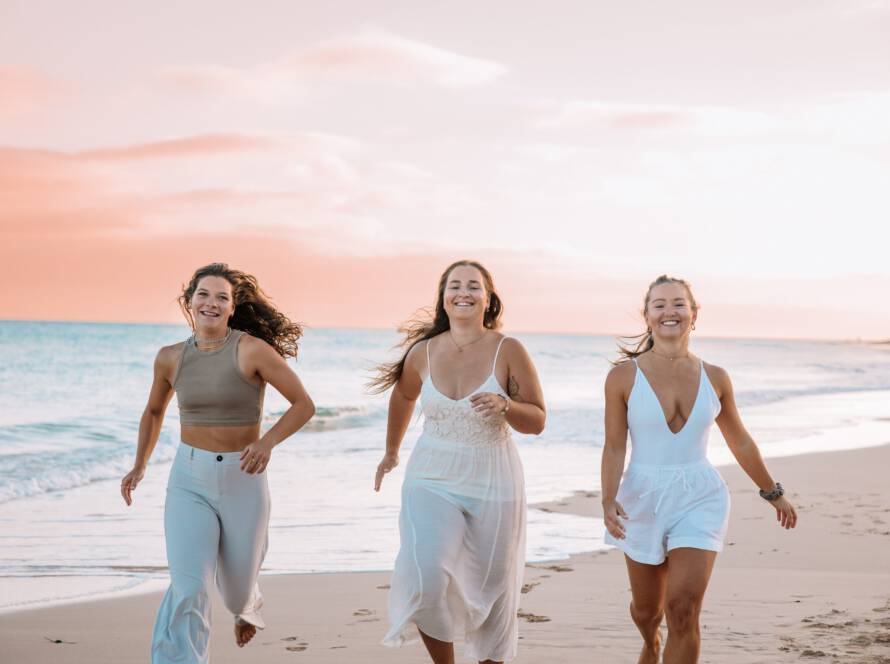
(220, 439)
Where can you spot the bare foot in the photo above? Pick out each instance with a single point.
(650, 654)
(244, 632)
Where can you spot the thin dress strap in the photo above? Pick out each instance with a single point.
(496, 353)
(429, 366)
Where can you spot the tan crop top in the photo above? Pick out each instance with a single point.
(211, 389)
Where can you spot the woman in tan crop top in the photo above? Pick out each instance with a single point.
(216, 513)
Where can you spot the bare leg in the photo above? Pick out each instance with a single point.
(442, 652)
(689, 571)
(648, 584)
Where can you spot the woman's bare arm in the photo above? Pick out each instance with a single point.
(152, 418)
(263, 361)
(743, 447)
(619, 382)
(401, 406)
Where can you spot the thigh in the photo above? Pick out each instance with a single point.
(689, 571)
(244, 523)
(434, 526)
(191, 530)
(648, 584)
(495, 533)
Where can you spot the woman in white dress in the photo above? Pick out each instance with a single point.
(462, 522)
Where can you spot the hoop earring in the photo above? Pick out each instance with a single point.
(693, 326)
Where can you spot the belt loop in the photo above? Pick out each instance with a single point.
(192, 453)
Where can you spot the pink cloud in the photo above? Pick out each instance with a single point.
(23, 90)
(650, 117)
(373, 55)
(207, 144)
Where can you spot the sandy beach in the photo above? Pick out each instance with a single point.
(821, 592)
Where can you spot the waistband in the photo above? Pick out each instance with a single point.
(665, 468)
(427, 438)
(196, 454)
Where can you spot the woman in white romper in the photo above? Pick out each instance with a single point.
(670, 511)
(462, 522)
(216, 514)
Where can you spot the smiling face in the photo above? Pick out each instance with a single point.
(465, 297)
(670, 311)
(212, 305)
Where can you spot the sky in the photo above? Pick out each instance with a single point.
(346, 152)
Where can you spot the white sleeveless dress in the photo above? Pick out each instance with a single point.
(462, 529)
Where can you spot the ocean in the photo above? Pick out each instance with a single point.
(72, 395)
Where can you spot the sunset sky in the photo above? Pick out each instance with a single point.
(345, 152)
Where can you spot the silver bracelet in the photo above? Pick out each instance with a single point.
(506, 407)
(775, 494)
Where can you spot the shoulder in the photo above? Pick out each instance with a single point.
(511, 347)
(169, 355)
(416, 355)
(621, 377)
(255, 347)
(718, 376)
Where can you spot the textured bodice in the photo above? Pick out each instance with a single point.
(455, 420)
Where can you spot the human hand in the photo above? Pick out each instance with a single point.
(488, 404)
(613, 512)
(255, 457)
(389, 462)
(128, 484)
(785, 512)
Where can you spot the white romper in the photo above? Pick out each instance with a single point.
(671, 493)
(462, 529)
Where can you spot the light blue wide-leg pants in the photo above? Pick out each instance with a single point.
(216, 520)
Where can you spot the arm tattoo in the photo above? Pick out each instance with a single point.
(512, 387)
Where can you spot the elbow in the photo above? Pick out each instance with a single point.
(538, 427)
(310, 409)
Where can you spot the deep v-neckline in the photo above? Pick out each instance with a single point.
(701, 380)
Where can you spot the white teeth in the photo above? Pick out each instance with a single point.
(672, 323)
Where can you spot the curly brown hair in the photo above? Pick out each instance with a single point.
(254, 312)
(426, 324)
(644, 341)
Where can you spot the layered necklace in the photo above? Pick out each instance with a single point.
(211, 344)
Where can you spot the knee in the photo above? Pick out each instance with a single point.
(682, 612)
(191, 589)
(434, 585)
(646, 614)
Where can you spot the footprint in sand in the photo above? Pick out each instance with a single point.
(531, 617)
(527, 587)
(383, 587)
(552, 568)
(297, 647)
(363, 612)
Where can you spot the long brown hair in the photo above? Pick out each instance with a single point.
(426, 324)
(254, 312)
(640, 343)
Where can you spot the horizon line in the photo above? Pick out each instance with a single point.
(860, 340)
